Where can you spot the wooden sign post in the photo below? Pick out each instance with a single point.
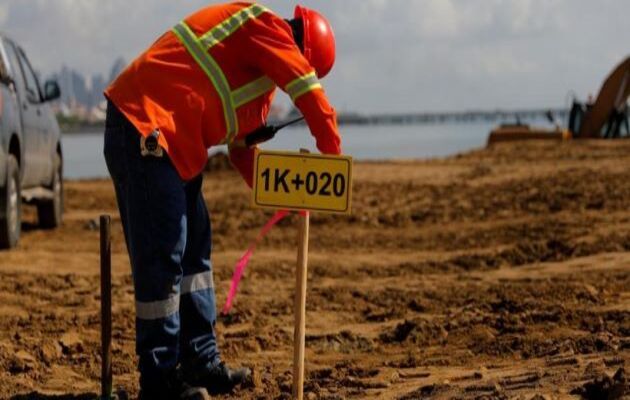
(299, 333)
(302, 182)
(106, 308)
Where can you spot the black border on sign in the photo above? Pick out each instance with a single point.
(260, 153)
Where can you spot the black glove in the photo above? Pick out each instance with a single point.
(260, 135)
(266, 133)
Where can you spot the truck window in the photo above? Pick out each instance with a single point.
(14, 66)
(32, 87)
(4, 70)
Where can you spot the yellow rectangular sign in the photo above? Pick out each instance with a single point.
(302, 181)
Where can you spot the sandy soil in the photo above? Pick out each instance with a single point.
(502, 273)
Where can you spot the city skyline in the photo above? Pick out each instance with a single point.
(88, 89)
(82, 95)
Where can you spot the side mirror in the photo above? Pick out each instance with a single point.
(4, 75)
(7, 80)
(51, 90)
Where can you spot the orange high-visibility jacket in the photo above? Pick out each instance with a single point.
(211, 80)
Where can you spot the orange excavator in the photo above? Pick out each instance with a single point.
(606, 118)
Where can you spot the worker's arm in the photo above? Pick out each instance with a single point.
(274, 52)
(322, 121)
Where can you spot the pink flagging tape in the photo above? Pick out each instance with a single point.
(241, 265)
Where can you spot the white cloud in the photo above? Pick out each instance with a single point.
(4, 13)
(393, 54)
(438, 18)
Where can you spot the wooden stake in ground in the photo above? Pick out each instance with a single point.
(106, 309)
(300, 308)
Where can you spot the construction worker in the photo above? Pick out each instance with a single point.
(208, 81)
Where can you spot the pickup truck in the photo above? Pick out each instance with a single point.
(31, 161)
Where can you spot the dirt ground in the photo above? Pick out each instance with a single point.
(500, 273)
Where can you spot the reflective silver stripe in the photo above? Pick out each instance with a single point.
(197, 282)
(249, 92)
(165, 308)
(157, 309)
(214, 72)
(220, 32)
(302, 85)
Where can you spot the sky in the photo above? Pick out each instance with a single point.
(393, 55)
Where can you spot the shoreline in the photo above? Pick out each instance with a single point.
(218, 161)
(88, 130)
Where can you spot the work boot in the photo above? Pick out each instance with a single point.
(220, 379)
(171, 388)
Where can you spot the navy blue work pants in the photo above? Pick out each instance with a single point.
(168, 235)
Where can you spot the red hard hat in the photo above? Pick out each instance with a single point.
(319, 40)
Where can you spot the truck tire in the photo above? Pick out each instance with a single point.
(11, 206)
(50, 211)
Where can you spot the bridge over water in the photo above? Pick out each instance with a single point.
(498, 116)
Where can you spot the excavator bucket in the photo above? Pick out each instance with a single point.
(612, 98)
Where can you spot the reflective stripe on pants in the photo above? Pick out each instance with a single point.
(165, 308)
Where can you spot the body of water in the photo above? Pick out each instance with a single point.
(83, 153)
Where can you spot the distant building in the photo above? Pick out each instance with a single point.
(119, 65)
(97, 87)
(81, 97)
